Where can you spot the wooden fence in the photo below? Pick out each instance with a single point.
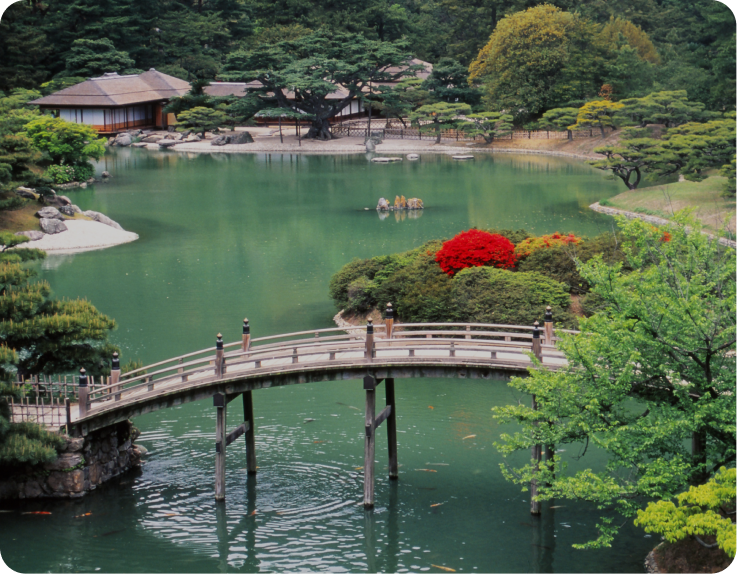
(360, 129)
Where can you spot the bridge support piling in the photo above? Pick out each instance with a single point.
(220, 404)
(391, 429)
(369, 384)
(536, 449)
(250, 433)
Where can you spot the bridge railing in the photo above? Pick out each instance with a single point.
(334, 344)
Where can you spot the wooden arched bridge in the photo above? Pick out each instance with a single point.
(374, 354)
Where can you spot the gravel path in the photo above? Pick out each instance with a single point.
(82, 236)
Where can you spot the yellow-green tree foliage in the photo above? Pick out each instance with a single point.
(703, 510)
(634, 35)
(537, 59)
(596, 114)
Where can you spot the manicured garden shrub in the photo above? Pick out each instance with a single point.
(531, 244)
(359, 293)
(348, 274)
(488, 295)
(514, 235)
(474, 248)
(69, 172)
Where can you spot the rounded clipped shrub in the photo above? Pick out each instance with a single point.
(488, 295)
(474, 248)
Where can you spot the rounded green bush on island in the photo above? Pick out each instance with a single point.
(489, 295)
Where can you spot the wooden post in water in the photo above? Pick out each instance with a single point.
(219, 357)
(537, 448)
(389, 320)
(68, 407)
(82, 393)
(250, 433)
(220, 403)
(548, 325)
(246, 335)
(369, 385)
(369, 353)
(391, 429)
(114, 372)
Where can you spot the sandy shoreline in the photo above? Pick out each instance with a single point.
(82, 236)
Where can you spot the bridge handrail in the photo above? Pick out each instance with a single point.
(285, 349)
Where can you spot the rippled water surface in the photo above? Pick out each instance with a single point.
(225, 236)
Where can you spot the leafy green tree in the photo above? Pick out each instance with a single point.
(489, 125)
(693, 148)
(559, 119)
(702, 510)
(238, 109)
(617, 28)
(538, 59)
(597, 114)
(629, 158)
(728, 170)
(668, 108)
(24, 49)
(196, 97)
(390, 20)
(434, 117)
(399, 100)
(650, 375)
(91, 58)
(201, 119)
(65, 142)
(448, 82)
(313, 66)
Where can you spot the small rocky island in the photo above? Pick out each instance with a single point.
(400, 203)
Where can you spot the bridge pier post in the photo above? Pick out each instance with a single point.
(219, 357)
(369, 385)
(221, 406)
(83, 393)
(369, 353)
(536, 449)
(391, 430)
(548, 326)
(246, 335)
(250, 433)
(389, 320)
(114, 373)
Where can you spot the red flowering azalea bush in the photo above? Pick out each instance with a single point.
(474, 248)
(531, 244)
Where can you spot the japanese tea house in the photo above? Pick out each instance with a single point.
(113, 103)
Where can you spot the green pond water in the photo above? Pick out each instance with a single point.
(228, 236)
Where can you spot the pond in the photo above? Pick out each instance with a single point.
(225, 236)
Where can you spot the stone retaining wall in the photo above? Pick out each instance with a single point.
(84, 464)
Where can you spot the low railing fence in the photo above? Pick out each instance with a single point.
(361, 130)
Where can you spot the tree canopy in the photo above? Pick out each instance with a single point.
(324, 71)
(649, 380)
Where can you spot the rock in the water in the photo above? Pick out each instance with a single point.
(83, 185)
(102, 218)
(26, 192)
(370, 145)
(49, 213)
(167, 143)
(414, 203)
(111, 140)
(32, 234)
(385, 159)
(123, 140)
(52, 226)
(105, 174)
(412, 156)
(139, 144)
(462, 157)
(383, 205)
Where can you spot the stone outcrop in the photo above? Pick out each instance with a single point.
(167, 143)
(149, 139)
(52, 226)
(413, 156)
(84, 464)
(67, 210)
(26, 192)
(32, 234)
(102, 218)
(49, 213)
(123, 140)
(236, 138)
(400, 203)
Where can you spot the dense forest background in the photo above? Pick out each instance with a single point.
(694, 39)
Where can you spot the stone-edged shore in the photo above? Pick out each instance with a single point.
(84, 464)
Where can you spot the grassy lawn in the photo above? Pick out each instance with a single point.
(706, 197)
